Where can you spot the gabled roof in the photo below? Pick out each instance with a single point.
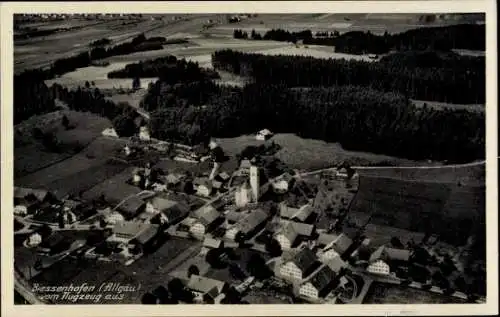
(162, 204)
(245, 164)
(147, 234)
(305, 259)
(341, 244)
(207, 214)
(303, 213)
(40, 194)
(252, 220)
(322, 278)
(224, 176)
(302, 229)
(326, 238)
(390, 254)
(234, 216)
(336, 263)
(205, 285)
(131, 206)
(131, 229)
(177, 211)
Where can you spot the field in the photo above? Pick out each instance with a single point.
(308, 154)
(381, 235)
(473, 175)
(451, 106)
(375, 23)
(32, 156)
(390, 294)
(426, 207)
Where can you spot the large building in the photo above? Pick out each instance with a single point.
(248, 225)
(300, 213)
(134, 234)
(383, 258)
(206, 290)
(300, 266)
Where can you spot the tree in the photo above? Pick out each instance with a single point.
(396, 243)
(176, 288)
(162, 294)
(273, 247)
(87, 84)
(45, 231)
(65, 122)
(124, 125)
(149, 299)
(193, 270)
(136, 83)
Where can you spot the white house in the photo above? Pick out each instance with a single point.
(319, 285)
(34, 240)
(379, 267)
(111, 132)
(380, 260)
(291, 231)
(20, 210)
(203, 187)
(299, 267)
(263, 135)
(144, 134)
(283, 184)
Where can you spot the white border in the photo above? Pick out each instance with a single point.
(462, 6)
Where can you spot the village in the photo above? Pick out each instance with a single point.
(264, 230)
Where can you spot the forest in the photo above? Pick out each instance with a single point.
(359, 118)
(428, 75)
(461, 36)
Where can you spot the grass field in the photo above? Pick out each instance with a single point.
(427, 207)
(390, 294)
(308, 154)
(467, 175)
(31, 155)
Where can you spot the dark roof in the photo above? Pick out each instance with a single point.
(342, 243)
(53, 240)
(218, 154)
(177, 211)
(305, 259)
(323, 278)
(251, 221)
(147, 234)
(131, 206)
(162, 204)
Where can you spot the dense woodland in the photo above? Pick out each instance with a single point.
(462, 36)
(416, 75)
(357, 117)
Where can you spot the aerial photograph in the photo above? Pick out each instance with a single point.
(249, 158)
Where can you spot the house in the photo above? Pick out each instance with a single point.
(134, 234)
(114, 217)
(381, 260)
(216, 185)
(110, 132)
(290, 231)
(144, 134)
(300, 266)
(55, 243)
(245, 165)
(263, 135)
(284, 183)
(251, 224)
(339, 245)
(212, 243)
(27, 195)
(131, 207)
(320, 284)
(171, 211)
(203, 186)
(295, 213)
(172, 179)
(206, 289)
(323, 200)
(345, 172)
(208, 219)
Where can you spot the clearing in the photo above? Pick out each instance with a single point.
(309, 154)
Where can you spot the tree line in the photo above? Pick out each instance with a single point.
(168, 68)
(416, 75)
(460, 36)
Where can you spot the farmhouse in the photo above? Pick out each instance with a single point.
(144, 134)
(134, 234)
(300, 266)
(208, 219)
(131, 207)
(248, 225)
(290, 231)
(206, 289)
(320, 284)
(55, 243)
(28, 196)
(382, 259)
(338, 246)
